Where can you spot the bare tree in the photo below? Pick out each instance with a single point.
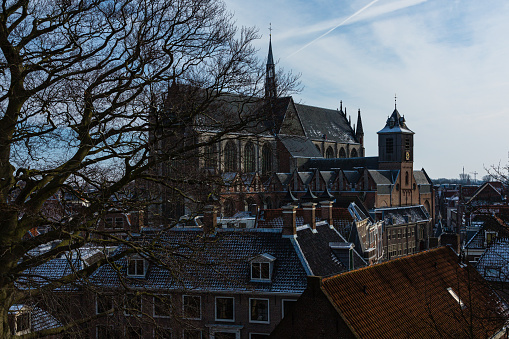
(78, 81)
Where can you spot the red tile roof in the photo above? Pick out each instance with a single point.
(409, 298)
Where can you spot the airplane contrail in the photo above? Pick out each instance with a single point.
(333, 28)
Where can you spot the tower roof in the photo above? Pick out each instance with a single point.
(395, 124)
(360, 131)
(270, 58)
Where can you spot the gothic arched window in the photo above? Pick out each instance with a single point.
(329, 153)
(354, 153)
(266, 159)
(230, 157)
(406, 178)
(342, 153)
(210, 155)
(249, 157)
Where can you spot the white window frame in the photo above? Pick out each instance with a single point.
(261, 259)
(167, 296)
(283, 306)
(268, 312)
(183, 305)
(233, 310)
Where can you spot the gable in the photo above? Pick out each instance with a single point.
(291, 124)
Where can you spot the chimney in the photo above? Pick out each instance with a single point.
(314, 284)
(209, 218)
(327, 211)
(289, 220)
(309, 214)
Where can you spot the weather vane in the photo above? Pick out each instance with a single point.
(270, 28)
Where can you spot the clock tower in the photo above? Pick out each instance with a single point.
(396, 152)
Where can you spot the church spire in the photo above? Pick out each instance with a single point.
(359, 133)
(270, 76)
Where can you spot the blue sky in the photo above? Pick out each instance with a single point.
(447, 62)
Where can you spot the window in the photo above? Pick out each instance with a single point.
(108, 222)
(456, 297)
(342, 153)
(407, 144)
(329, 153)
(354, 153)
(191, 307)
(489, 237)
(132, 304)
(288, 305)
(230, 157)
(260, 271)
(136, 267)
(259, 310)
(225, 308)
(162, 333)
(492, 272)
(266, 159)
(103, 303)
(162, 306)
(104, 332)
(407, 180)
(210, 155)
(133, 332)
(389, 146)
(192, 334)
(119, 222)
(399, 234)
(249, 158)
(23, 322)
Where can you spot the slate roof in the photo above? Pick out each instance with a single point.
(342, 163)
(352, 176)
(299, 147)
(399, 215)
(493, 264)
(490, 223)
(220, 262)
(321, 259)
(421, 178)
(39, 318)
(395, 124)
(318, 122)
(384, 177)
(409, 298)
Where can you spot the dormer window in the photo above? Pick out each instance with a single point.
(136, 267)
(261, 267)
(489, 237)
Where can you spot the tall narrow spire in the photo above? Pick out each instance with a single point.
(270, 75)
(359, 133)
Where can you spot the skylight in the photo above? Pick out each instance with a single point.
(456, 297)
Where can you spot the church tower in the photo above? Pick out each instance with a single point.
(270, 75)
(396, 152)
